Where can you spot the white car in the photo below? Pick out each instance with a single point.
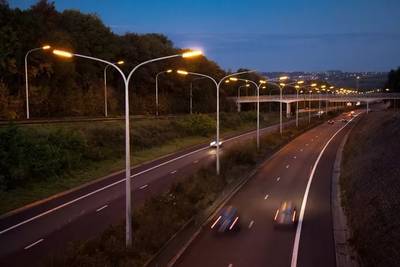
(213, 144)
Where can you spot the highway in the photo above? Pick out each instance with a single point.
(284, 177)
(29, 236)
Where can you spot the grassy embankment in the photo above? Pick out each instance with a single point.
(37, 161)
(173, 209)
(371, 189)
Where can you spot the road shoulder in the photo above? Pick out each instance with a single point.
(345, 255)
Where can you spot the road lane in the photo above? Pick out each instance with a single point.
(74, 216)
(262, 244)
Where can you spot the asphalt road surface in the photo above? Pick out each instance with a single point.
(29, 236)
(284, 177)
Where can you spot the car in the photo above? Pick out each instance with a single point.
(331, 122)
(213, 144)
(345, 120)
(320, 112)
(227, 220)
(286, 214)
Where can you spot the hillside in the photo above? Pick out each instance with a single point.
(371, 189)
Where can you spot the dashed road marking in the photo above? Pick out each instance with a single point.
(143, 186)
(196, 161)
(294, 157)
(251, 224)
(278, 178)
(287, 166)
(33, 244)
(173, 172)
(307, 144)
(301, 149)
(101, 208)
(230, 265)
(266, 196)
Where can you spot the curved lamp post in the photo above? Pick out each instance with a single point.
(217, 85)
(105, 86)
(261, 83)
(45, 47)
(128, 234)
(161, 72)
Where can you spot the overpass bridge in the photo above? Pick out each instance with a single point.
(327, 99)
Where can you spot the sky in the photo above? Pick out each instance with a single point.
(266, 35)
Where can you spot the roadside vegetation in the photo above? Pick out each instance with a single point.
(370, 188)
(173, 209)
(40, 160)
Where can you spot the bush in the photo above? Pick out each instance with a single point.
(26, 155)
(198, 124)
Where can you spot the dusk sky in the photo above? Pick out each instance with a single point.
(284, 35)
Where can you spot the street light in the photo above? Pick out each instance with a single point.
(261, 83)
(217, 85)
(309, 102)
(120, 62)
(45, 47)
(297, 86)
(128, 207)
(161, 72)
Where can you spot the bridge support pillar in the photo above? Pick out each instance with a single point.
(288, 110)
(238, 107)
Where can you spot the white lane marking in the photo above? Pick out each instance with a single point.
(117, 182)
(278, 178)
(307, 144)
(101, 208)
(173, 172)
(316, 136)
(301, 149)
(266, 196)
(251, 224)
(294, 157)
(143, 186)
(304, 202)
(287, 166)
(312, 140)
(33, 244)
(196, 161)
(230, 265)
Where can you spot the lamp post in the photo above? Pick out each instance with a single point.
(217, 85)
(297, 87)
(105, 86)
(309, 102)
(128, 234)
(191, 94)
(45, 47)
(161, 72)
(261, 83)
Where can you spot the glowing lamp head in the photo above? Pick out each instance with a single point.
(233, 79)
(297, 86)
(182, 72)
(193, 53)
(169, 71)
(263, 82)
(300, 82)
(323, 86)
(313, 85)
(46, 47)
(120, 62)
(62, 53)
(282, 84)
(283, 78)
